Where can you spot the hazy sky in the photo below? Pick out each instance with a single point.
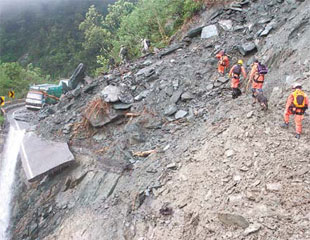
(9, 4)
(8, 7)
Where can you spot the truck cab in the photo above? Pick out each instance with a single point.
(35, 99)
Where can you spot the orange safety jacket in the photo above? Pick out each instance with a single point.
(290, 106)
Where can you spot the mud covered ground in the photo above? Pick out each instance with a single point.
(221, 168)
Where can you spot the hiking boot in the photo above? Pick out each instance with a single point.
(297, 136)
(284, 125)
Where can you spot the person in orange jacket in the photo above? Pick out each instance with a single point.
(223, 62)
(257, 78)
(297, 103)
(235, 73)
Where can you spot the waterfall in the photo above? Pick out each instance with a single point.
(7, 174)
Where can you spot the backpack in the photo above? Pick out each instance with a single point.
(237, 69)
(222, 61)
(262, 69)
(299, 99)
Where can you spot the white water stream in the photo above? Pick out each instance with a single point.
(7, 174)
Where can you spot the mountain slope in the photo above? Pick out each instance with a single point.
(223, 167)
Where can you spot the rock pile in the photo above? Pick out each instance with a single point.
(183, 160)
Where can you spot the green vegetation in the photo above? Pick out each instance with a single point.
(53, 39)
(14, 77)
(48, 36)
(127, 23)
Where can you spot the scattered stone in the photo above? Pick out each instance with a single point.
(233, 219)
(76, 92)
(148, 62)
(186, 96)
(237, 178)
(67, 184)
(142, 95)
(247, 48)
(67, 128)
(176, 96)
(273, 186)
(222, 79)
(209, 87)
(227, 25)
(111, 93)
(180, 114)
(229, 153)
(266, 31)
(265, 20)
(172, 166)
(194, 32)
(217, 84)
(250, 114)
(252, 229)
(209, 32)
(171, 50)
(122, 106)
(171, 109)
(250, 196)
(89, 88)
(99, 137)
(101, 119)
(126, 97)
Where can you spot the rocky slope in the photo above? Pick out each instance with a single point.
(220, 169)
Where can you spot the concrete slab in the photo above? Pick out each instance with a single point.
(41, 157)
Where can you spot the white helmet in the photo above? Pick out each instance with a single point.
(297, 85)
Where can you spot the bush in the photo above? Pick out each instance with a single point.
(14, 77)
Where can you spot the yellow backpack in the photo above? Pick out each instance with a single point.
(299, 99)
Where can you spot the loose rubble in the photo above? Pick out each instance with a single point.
(171, 155)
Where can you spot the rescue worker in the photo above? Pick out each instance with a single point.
(257, 78)
(223, 62)
(146, 44)
(235, 73)
(296, 104)
(111, 63)
(123, 53)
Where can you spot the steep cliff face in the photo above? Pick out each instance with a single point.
(221, 168)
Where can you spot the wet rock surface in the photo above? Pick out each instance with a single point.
(184, 160)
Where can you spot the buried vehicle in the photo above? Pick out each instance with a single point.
(39, 95)
(35, 99)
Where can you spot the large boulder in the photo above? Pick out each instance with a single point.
(227, 25)
(194, 32)
(103, 117)
(77, 77)
(114, 94)
(209, 32)
(111, 93)
(247, 48)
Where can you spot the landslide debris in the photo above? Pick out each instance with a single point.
(164, 152)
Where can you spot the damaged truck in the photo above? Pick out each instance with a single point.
(39, 95)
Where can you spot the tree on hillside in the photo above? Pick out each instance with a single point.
(14, 77)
